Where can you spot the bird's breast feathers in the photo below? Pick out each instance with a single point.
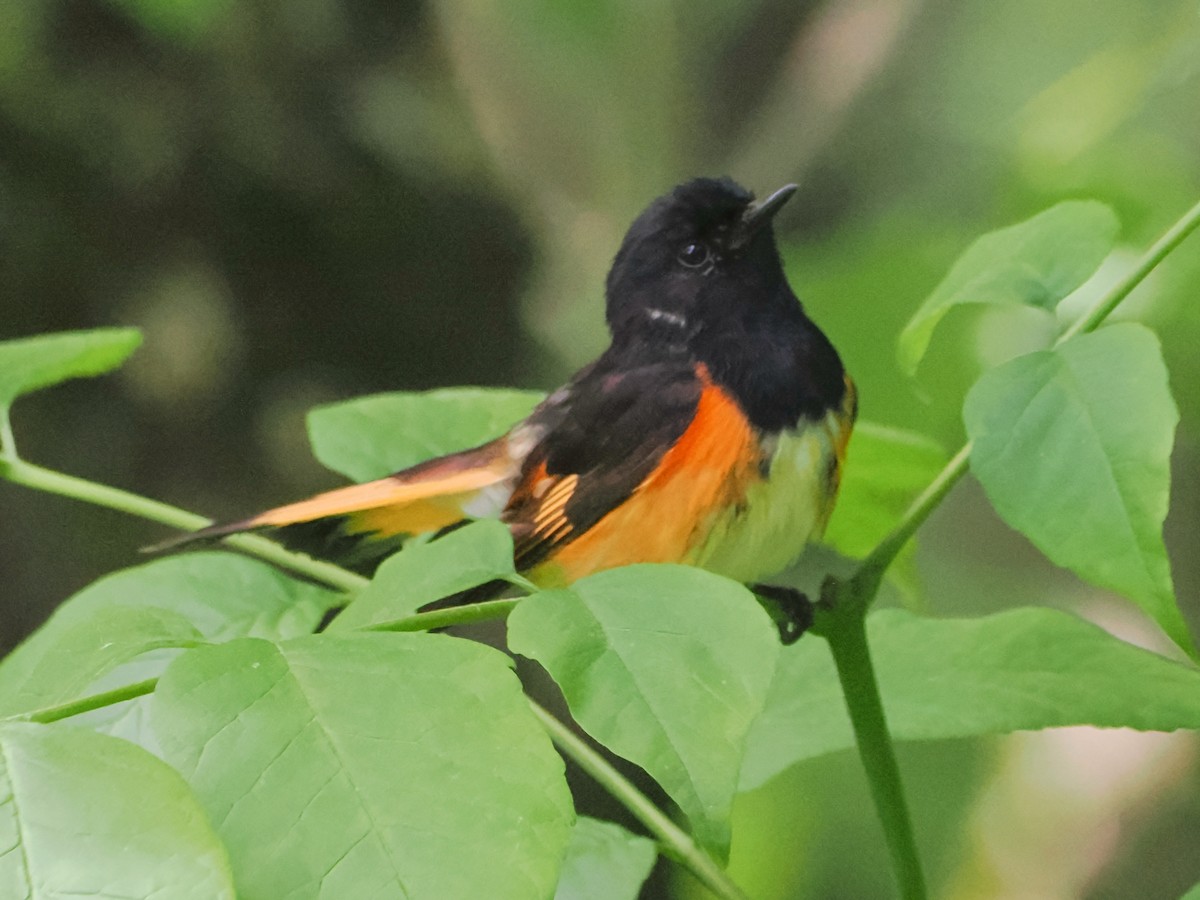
(724, 497)
(783, 509)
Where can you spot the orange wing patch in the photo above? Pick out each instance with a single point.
(550, 522)
(670, 513)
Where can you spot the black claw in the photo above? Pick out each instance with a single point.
(790, 609)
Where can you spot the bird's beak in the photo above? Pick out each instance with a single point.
(759, 214)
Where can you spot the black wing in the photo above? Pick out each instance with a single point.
(597, 440)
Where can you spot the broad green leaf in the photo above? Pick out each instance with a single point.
(87, 645)
(885, 470)
(86, 815)
(1193, 894)
(1036, 263)
(604, 862)
(1073, 447)
(61, 662)
(368, 765)
(421, 573)
(1019, 670)
(32, 363)
(374, 436)
(223, 595)
(667, 666)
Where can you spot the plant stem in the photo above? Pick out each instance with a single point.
(29, 475)
(872, 567)
(845, 625)
(318, 570)
(1174, 236)
(48, 714)
(672, 838)
(869, 573)
(847, 638)
(8, 442)
(442, 618)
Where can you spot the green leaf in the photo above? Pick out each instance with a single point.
(374, 436)
(1193, 894)
(223, 595)
(59, 663)
(885, 470)
(421, 573)
(88, 815)
(1035, 263)
(30, 364)
(90, 641)
(1019, 670)
(604, 862)
(667, 666)
(1073, 447)
(368, 765)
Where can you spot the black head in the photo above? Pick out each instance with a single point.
(698, 275)
(694, 256)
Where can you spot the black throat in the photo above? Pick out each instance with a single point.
(773, 361)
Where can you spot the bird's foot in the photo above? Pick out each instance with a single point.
(789, 609)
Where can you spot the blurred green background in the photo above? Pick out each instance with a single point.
(305, 200)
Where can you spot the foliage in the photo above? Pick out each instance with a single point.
(363, 760)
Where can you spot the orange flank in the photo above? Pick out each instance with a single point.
(705, 473)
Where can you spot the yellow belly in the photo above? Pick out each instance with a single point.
(781, 514)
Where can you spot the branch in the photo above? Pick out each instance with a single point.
(670, 836)
(870, 571)
(847, 637)
(844, 626)
(454, 615)
(29, 475)
(1174, 236)
(48, 714)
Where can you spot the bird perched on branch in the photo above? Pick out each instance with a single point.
(711, 431)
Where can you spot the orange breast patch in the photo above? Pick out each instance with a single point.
(670, 513)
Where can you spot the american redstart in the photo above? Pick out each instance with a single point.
(711, 431)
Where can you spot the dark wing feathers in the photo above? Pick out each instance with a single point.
(580, 455)
(603, 436)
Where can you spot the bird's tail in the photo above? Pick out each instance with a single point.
(356, 525)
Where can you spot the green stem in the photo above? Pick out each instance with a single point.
(443, 618)
(670, 836)
(845, 627)
(8, 441)
(847, 638)
(869, 573)
(1174, 236)
(29, 475)
(877, 561)
(48, 714)
(318, 570)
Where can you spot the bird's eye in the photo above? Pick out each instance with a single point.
(694, 254)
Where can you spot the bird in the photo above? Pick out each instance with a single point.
(712, 431)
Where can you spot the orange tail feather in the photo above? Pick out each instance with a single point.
(380, 514)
